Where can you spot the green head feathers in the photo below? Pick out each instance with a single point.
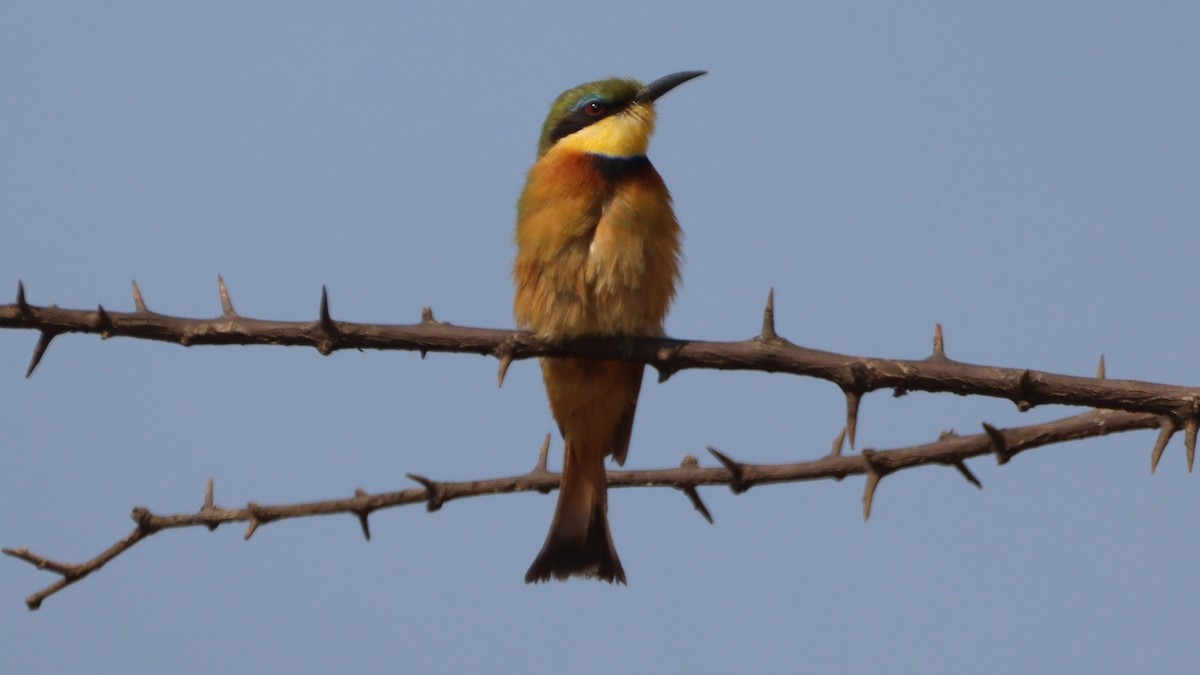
(586, 104)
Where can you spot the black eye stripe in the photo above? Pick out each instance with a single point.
(580, 118)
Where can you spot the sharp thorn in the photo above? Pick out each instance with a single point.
(328, 328)
(543, 457)
(429, 485)
(868, 498)
(999, 443)
(434, 493)
(541, 469)
(966, 473)
(723, 458)
(363, 514)
(768, 323)
(427, 315)
(737, 483)
(698, 503)
(326, 320)
(690, 462)
(208, 507)
(1022, 398)
(257, 517)
(138, 302)
(1166, 429)
(939, 342)
(853, 399)
(876, 470)
(1189, 440)
(1100, 370)
(22, 304)
(103, 322)
(39, 350)
(226, 302)
(838, 443)
(506, 360)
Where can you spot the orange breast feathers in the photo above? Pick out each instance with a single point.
(598, 247)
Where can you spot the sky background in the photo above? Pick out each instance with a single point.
(1025, 174)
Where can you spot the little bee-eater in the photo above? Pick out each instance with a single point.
(597, 255)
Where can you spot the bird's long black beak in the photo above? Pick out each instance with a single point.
(662, 85)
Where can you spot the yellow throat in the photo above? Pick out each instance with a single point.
(626, 134)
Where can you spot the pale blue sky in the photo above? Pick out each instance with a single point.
(1024, 173)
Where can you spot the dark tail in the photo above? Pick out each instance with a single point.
(579, 542)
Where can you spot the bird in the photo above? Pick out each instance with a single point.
(598, 255)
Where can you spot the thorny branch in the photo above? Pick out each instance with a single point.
(855, 375)
(951, 450)
(1122, 405)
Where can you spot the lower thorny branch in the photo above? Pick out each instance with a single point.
(950, 450)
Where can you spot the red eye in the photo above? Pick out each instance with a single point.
(594, 108)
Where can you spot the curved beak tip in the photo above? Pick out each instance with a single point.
(662, 85)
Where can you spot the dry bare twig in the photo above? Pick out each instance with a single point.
(951, 450)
